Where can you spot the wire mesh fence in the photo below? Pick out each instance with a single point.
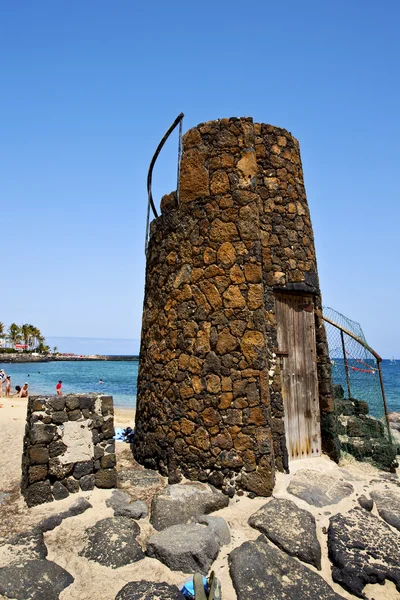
(359, 399)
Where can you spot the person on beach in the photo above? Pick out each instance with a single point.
(2, 380)
(24, 392)
(8, 385)
(58, 388)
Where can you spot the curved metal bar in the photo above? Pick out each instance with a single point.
(153, 160)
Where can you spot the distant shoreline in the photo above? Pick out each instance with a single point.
(29, 358)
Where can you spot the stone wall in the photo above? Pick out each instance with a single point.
(209, 390)
(68, 446)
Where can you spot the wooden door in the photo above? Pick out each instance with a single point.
(297, 351)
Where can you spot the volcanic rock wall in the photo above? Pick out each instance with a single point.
(68, 446)
(209, 389)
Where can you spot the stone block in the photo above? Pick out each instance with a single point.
(38, 455)
(59, 416)
(60, 491)
(106, 478)
(108, 461)
(87, 482)
(38, 493)
(57, 403)
(83, 468)
(42, 434)
(74, 415)
(37, 473)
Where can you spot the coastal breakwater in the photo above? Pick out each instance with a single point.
(232, 246)
(68, 445)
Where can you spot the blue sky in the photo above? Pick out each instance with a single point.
(88, 89)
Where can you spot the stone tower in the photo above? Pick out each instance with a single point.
(235, 241)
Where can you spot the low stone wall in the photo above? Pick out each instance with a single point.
(68, 446)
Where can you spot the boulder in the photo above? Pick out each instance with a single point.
(143, 478)
(112, 542)
(218, 526)
(364, 550)
(35, 579)
(290, 528)
(185, 502)
(28, 545)
(318, 489)
(136, 510)
(388, 505)
(123, 506)
(118, 499)
(366, 503)
(148, 590)
(259, 570)
(78, 507)
(186, 548)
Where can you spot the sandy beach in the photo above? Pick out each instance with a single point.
(103, 583)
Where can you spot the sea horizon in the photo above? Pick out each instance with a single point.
(95, 345)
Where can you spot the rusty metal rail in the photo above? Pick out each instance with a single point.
(150, 204)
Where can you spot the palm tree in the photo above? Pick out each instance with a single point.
(36, 337)
(14, 333)
(26, 332)
(55, 350)
(1, 333)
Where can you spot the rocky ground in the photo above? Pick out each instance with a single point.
(328, 532)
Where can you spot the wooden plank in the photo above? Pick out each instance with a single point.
(282, 335)
(312, 407)
(299, 344)
(296, 337)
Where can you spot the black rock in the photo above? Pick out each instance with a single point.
(31, 542)
(388, 505)
(148, 590)
(318, 489)
(42, 434)
(136, 510)
(57, 448)
(186, 548)
(87, 482)
(71, 484)
(59, 416)
(291, 528)
(51, 522)
(259, 570)
(106, 478)
(181, 503)
(38, 493)
(118, 499)
(34, 580)
(86, 402)
(112, 542)
(60, 491)
(143, 478)
(57, 403)
(218, 526)
(83, 468)
(363, 550)
(365, 503)
(78, 507)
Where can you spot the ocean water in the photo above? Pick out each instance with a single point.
(365, 382)
(120, 378)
